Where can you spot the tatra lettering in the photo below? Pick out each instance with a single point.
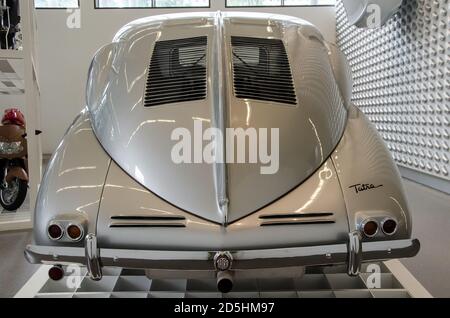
(364, 187)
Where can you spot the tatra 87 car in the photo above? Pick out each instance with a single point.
(146, 177)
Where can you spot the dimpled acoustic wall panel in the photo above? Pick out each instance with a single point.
(401, 81)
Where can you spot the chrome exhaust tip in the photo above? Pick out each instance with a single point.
(56, 273)
(225, 282)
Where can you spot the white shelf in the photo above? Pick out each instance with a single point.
(24, 64)
(12, 54)
(15, 222)
(18, 76)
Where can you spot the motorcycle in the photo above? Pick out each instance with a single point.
(13, 160)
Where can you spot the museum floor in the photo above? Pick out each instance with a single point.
(430, 267)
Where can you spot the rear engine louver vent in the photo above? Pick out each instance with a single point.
(140, 221)
(178, 72)
(297, 219)
(262, 71)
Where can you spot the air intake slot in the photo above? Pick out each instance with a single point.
(262, 71)
(297, 219)
(295, 215)
(177, 72)
(138, 221)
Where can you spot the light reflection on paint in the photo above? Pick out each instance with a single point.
(318, 140)
(139, 175)
(156, 210)
(138, 103)
(79, 131)
(76, 169)
(136, 79)
(201, 119)
(147, 122)
(83, 207)
(201, 223)
(249, 113)
(324, 175)
(401, 211)
(79, 188)
(114, 186)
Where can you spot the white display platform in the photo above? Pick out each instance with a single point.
(17, 220)
(329, 282)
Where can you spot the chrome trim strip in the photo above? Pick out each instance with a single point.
(202, 260)
(219, 118)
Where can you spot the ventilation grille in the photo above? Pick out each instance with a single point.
(297, 219)
(137, 221)
(177, 72)
(262, 71)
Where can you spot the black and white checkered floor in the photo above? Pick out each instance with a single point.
(316, 283)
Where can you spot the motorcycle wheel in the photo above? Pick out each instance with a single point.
(12, 198)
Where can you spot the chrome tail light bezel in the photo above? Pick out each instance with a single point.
(60, 227)
(386, 220)
(363, 225)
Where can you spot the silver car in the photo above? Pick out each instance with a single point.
(122, 190)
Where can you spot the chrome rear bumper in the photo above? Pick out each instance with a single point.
(353, 254)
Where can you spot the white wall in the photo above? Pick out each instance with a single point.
(405, 93)
(11, 101)
(14, 101)
(64, 54)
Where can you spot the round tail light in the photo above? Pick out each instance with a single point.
(56, 273)
(75, 232)
(370, 228)
(389, 226)
(55, 232)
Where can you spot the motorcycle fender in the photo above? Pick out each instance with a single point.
(16, 172)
